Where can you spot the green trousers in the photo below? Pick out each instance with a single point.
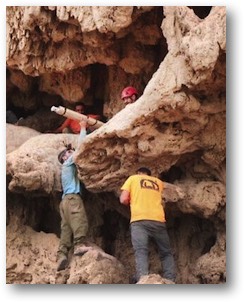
(74, 223)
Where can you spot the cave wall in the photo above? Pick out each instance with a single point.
(62, 55)
(176, 58)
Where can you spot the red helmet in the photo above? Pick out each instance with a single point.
(128, 92)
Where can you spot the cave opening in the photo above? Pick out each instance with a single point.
(173, 174)
(47, 217)
(98, 89)
(39, 213)
(191, 236)
(27, 94)
(115, 226)
(189, 165)
(201, 11)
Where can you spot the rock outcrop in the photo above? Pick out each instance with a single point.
(176, 57)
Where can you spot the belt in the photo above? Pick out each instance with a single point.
(72, 194)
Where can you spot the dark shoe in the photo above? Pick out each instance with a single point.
(62, 263)
(81, 250)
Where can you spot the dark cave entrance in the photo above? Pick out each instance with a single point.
(33, 103)
(39, 213)
(98, 91)
(201, 11)
(31, 100)
(115, 227)
(193, 234)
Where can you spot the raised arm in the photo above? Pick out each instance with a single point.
(82, 134)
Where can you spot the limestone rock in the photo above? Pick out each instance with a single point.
(154, 279)
(16, 136)
(34, 166)
(176, 57)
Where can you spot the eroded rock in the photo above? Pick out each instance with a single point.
(177, 60)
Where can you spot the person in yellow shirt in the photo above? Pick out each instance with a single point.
(143, 193)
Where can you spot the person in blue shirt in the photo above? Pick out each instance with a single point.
(74, 222)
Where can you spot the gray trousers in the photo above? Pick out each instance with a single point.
(141, 231)
(74, 223)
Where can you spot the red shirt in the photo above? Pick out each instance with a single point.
(73, 125)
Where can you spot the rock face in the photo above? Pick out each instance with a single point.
(176, 58)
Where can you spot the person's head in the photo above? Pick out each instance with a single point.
(65, 154)
(144, 170)
(80, 107)
(129, 95)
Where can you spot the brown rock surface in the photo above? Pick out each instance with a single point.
(16, 136)
(176, 57)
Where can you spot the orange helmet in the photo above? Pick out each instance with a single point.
(128, 92)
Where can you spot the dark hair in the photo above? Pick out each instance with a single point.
(62, 153)
(144, 170)
(80, 104)
(60, 156)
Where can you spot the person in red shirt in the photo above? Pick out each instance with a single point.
(69, 125)
(129, 95)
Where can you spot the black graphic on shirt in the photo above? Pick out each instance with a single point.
(149, 184)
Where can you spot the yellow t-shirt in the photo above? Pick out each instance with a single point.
(145, 197)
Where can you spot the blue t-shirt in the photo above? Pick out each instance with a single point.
(69, 176)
